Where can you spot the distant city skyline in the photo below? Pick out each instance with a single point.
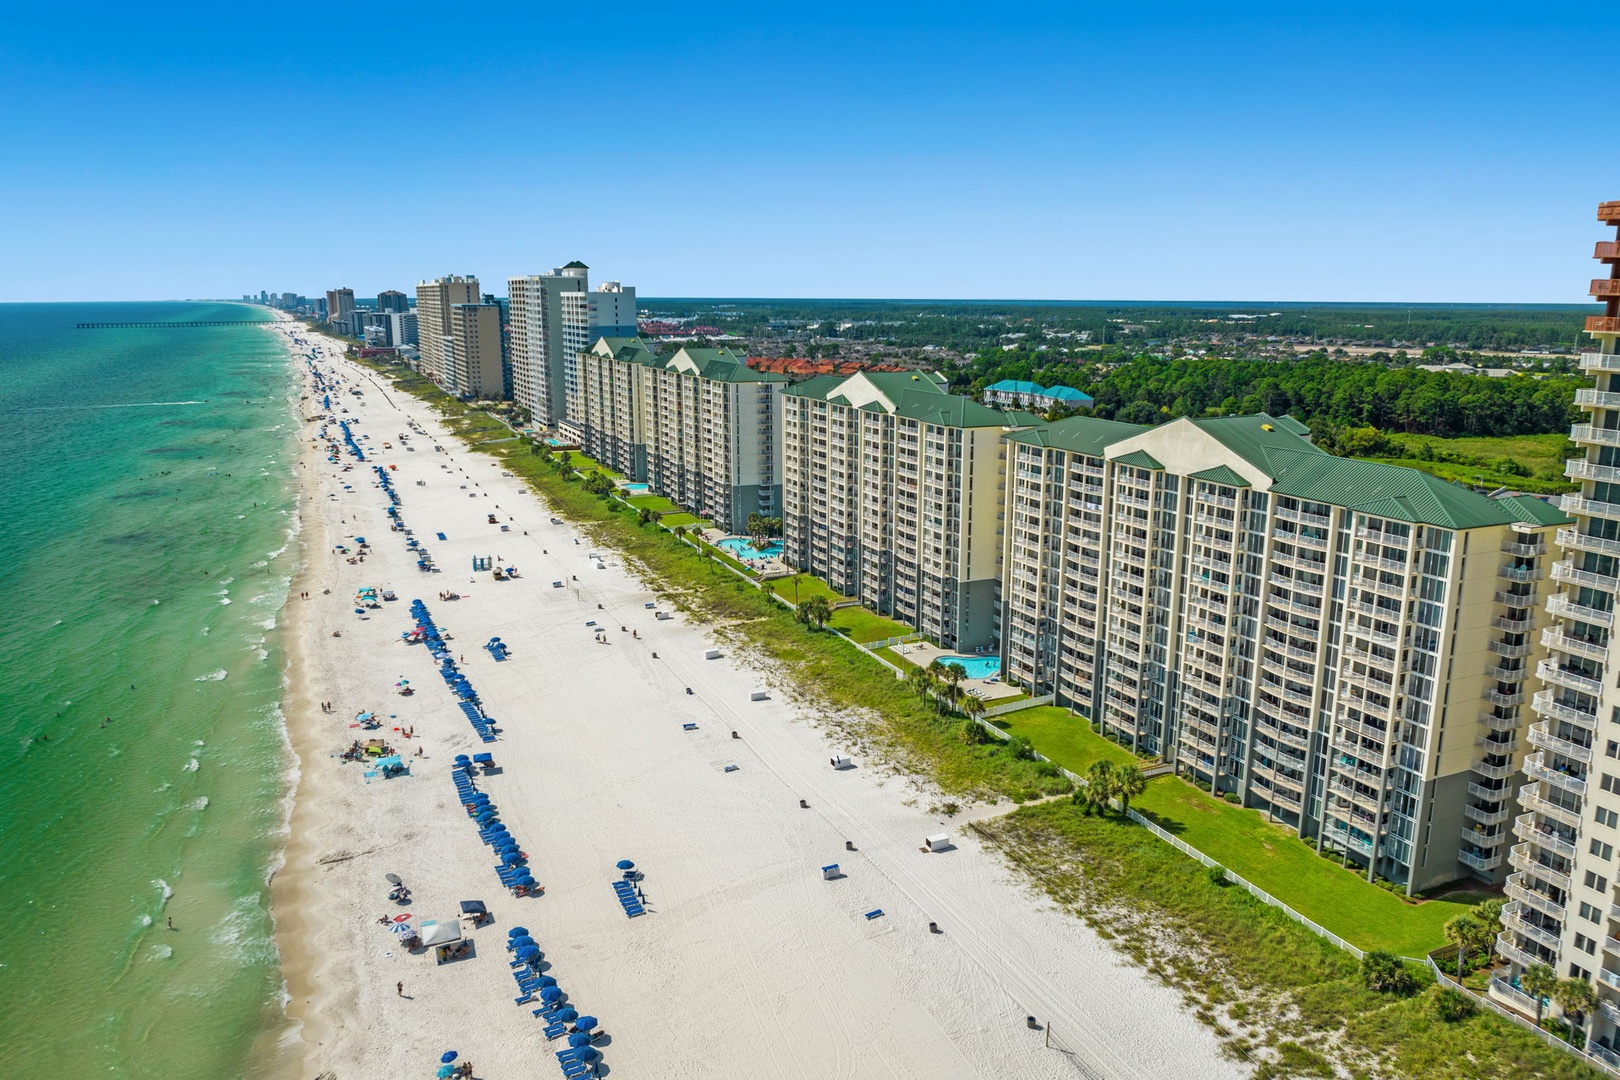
(1172, 153)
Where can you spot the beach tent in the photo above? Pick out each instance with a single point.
(440, 932)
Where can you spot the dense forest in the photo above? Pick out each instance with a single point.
(968, 326)
(1327, 394)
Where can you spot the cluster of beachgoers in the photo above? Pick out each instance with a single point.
(595, 723)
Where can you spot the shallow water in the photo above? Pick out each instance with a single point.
(148, 504)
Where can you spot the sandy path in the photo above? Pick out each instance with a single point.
(748, 961)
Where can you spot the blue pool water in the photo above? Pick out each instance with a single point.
(978, 667)
(742, 548)
(637, 489)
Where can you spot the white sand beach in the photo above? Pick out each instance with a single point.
(748, 963)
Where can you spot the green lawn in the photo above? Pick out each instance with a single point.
(1477, 460)
(861, 625)
(652, 502)
(802, 586)
(1063, 737)
(673, 520)
(1279, 862)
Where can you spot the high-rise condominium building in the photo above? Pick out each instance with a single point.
(339, 309)
(472, 351)
(393, 300)
(612, 310)
(700, 426)
(550, 325)
(434, 299)
(1564, 893)
(891, 491)
(1344, 644)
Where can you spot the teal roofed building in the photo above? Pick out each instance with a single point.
(1029, 395)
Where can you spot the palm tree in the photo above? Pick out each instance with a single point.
(921, 682)
(1128, 784)
(1101, 783)
(1575, 996)
(974, 707)
(1470, 935)
(1538, 980)
(816, 610)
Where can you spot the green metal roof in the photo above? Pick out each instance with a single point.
(1539, 511)
(817, 386)
(1139, 459)
(1220, 474)
(1253, 437)
(949, 410)
(723, 365)
(1079, 434)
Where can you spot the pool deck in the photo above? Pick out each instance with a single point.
(763, 567)
(922, 654)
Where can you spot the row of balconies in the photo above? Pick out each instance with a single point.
(1562, 606)
(1554, 638)
(1566, 571)
(1575, 679)
(1530, 798)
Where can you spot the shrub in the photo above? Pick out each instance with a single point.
(1217, 875)
(1231, 797)
(1386, 974)
(1451, 1006)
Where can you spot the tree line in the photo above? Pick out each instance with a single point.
(1323, 392)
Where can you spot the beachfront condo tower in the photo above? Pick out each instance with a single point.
(392, 300)
(550, 325)
(434, 299)
(472, 352)
(1343, 644)
(1564, 893)
(891, 491)
(340, 310)
(699, 426)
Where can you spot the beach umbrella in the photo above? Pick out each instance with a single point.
(460, 758)
(550, 993)
(517, 932)
(522, 941)
(448, 1056)
(529, 953)
(585, 1023)
(486, 815)
(445, 1071)
(392, 879)
(527, 881)
(511, 856)
(547, 980)
(579, 1038)
(625, 864)
(565, 1015)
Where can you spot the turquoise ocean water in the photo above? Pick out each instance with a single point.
(146, 525)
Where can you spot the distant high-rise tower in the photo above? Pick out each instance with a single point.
(550, 324)
(393, 300)
(434, 299)
(339, 306)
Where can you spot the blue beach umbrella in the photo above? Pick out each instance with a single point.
(566, 1015)
(521, 941)
(445, 1071)
(527, 881)
(448, 1056)
(518, 931)
(547, 980)
(550, 993)
(625, 864)
(579, 1038)
(529, 952)
(585, 1023)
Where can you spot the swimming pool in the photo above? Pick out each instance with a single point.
(978, 667)
(636, 489)
(743, 548)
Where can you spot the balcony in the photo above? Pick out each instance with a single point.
(1482, 863)
(1536, 767)
(1507, 950)
(1507, 674)
(1542, 737)
(1523, 858)
(1530, 800)
(1400, 566)
(1320, 521)
(1516, 889)
(1524, 550)
(1549, 672)
(1604, 287)
(1485, 794)
(1558, 641)
(1602, 324)
(1515, 599)
(1577, 469)
(1500, 723)
(1514, 921)
(1564, 608)
(1607, 399)
(1495, 772)
(1528, 829)
(1513, 626)
(1518, 573)
(1567, 572)
(1600, 361)
(1483, 816)
(1503, 648)
(1587, 433)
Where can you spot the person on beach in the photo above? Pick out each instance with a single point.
(400, 987)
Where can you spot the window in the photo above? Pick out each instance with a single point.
(1608, 784)
(1612, 749)
(1585, 944)
(1608, 818)
(1590, 913)
(1602, 850)
(1578, 972)
(1596, 881)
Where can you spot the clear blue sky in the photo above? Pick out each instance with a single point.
(1140, 151)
